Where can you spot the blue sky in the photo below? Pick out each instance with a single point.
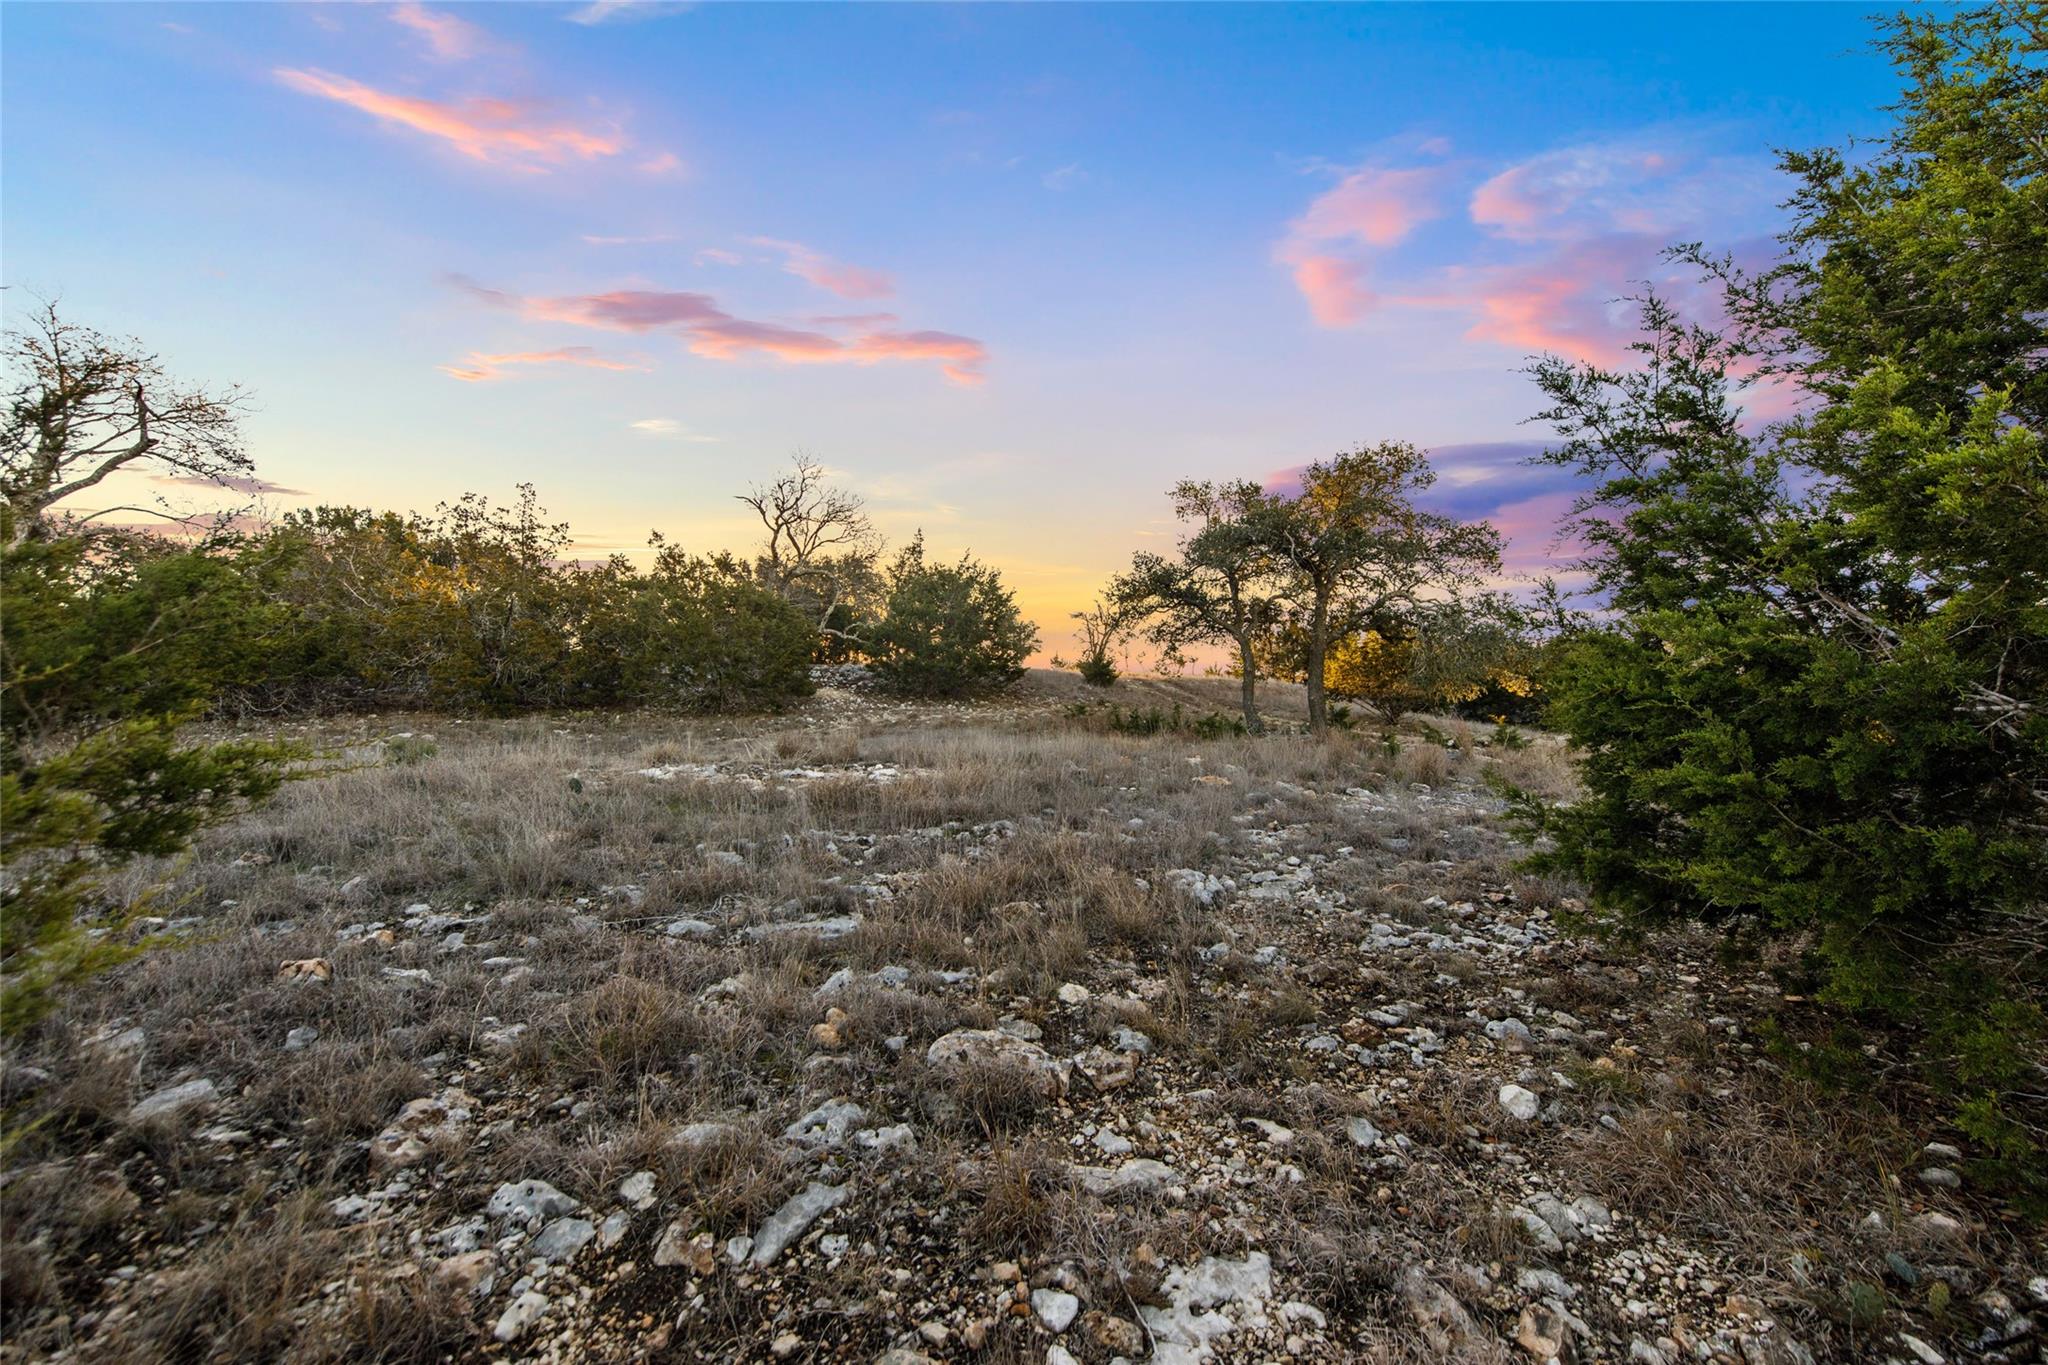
(1013, 270)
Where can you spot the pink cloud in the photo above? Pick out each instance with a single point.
(1566, 235)
(500, 132)
(1335, 289)
(627, 310)
(480, 367)
(1373, 205)
(709, 331)
(661, 163)
(449, 38)
(847, 281)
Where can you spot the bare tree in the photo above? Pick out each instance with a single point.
(821, 548)
(82, 405)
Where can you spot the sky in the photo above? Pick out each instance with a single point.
(1009, 271)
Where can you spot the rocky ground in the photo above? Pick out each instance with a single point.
(885, 1031)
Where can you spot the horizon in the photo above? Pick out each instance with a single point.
(1010, 272)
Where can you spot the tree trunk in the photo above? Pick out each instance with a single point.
(1318, 647)
(1248, 673)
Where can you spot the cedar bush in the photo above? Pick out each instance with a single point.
(950, 630)
(1816, 708)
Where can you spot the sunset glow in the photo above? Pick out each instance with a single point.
(1011, 271)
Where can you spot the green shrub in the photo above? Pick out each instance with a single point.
(1097, 672)
(70, 816)
(1817, 709)
(949, 630)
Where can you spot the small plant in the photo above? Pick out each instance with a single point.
(1863, 1304)
(408, 751)
(1096, 672)
(1506, 736)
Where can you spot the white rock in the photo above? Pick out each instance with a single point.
(527, 1200)
(1057, 1310)
(790, 1221)
(826, 1126)
(993, 1047)
(1520, 1103)
(519, 1315)
(1074, 993)
(174, 1099)
(562, 1239)
(637, 1189)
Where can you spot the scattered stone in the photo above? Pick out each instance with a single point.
(528, 1200)
(1520, 1104)
(301, 1038)
(637, 1189)
(519, 1315)
(306, 971)
(1055, 1308)
(1542, 1332)
(174, 1099)
(562, 1239)
(992, 1047)
(790, 1222)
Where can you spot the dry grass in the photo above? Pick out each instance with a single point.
(1019, 847)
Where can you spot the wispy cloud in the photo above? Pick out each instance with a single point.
(624, 11)
(847, 281)
(647, 239)
(1561, 239)
(502, 132)
(710, 331)
(247, 485)
(669, 429)
(479, 367)
(448, 37)
(1064, 177)
(716, 255)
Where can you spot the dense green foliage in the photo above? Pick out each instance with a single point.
(1818, 708)
(949, 630)
(476, 607)
(104, 652)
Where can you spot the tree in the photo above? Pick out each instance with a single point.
(1441, 653)
(1216, 592)
(950, 629)
(82, 405)
(1358, 552)
(1104, 627)
(821, 549)
(1818, 708)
